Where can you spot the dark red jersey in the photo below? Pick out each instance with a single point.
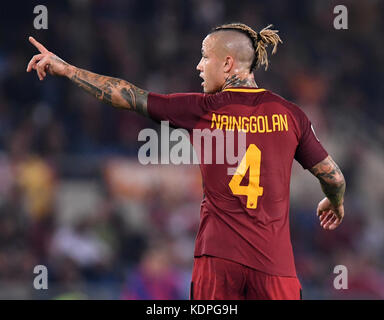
(245, 214)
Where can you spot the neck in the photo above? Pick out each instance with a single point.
(237, 80)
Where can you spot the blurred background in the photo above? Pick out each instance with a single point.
(73, 196)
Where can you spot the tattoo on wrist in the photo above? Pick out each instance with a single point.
(331, 180)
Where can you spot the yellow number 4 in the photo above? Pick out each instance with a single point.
(251, 160)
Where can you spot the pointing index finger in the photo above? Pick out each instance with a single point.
(38, 45)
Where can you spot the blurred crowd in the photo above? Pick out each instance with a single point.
(60, 208)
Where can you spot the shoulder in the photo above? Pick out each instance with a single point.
(296, 112)
(204, 101)
(289, 105)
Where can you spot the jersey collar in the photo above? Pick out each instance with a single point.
(244, 89)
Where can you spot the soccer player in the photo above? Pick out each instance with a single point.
(243, 248)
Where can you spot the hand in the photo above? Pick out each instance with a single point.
(330, 216)
(46, 61)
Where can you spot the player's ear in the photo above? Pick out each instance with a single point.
(228, 63)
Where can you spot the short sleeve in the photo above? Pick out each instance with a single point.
(309, 151)
(182, 110)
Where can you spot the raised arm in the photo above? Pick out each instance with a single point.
(331, 209)
(116, 92)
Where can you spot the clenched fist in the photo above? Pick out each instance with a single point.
(47, 61)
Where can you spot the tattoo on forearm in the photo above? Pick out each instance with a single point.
(103, 95)
(137, 98)
(235, 81)
(331, 180)
(116, 92)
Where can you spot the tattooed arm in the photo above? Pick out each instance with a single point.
(331, 209)
(116, 92)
